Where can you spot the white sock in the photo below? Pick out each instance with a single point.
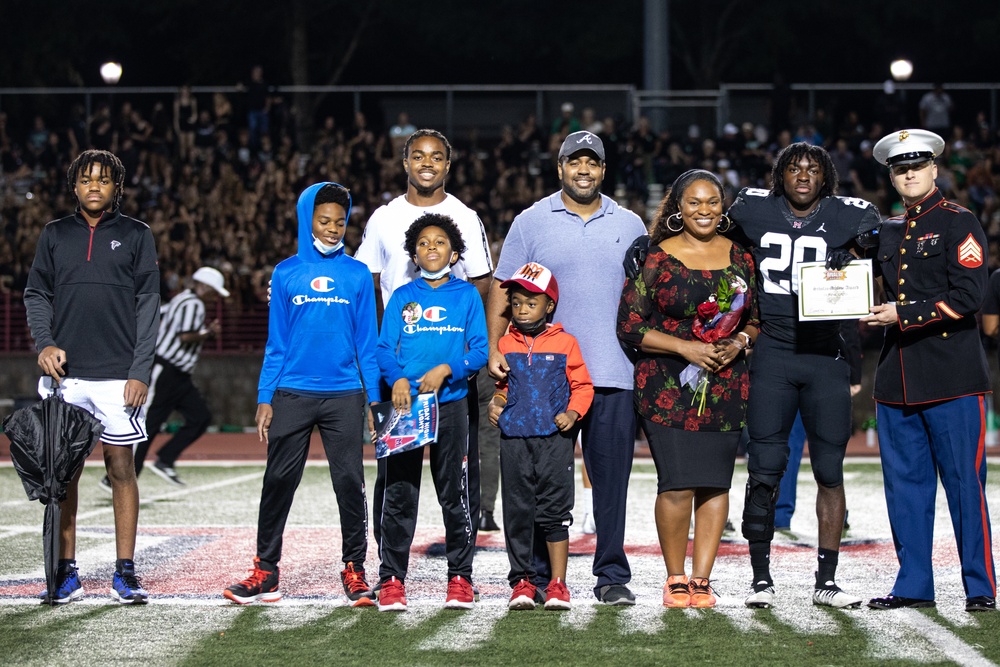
(588, 500)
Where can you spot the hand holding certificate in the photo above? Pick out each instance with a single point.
(827, 294)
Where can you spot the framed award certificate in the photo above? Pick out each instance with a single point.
(826, 294)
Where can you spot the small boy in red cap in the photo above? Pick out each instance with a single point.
(536, 408)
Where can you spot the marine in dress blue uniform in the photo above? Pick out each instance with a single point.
(932, 377)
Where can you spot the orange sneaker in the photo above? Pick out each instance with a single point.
(702, 595)
(675, 591)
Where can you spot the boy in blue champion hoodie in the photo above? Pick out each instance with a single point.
(319, 369)
(433, 339)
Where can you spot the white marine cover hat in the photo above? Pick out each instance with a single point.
(908, 147)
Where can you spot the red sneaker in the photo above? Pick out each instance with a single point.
(523, 596)
(392, 596)
(460, 594)
(557, 595)
(359, 593)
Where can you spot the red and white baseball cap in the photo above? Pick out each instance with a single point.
(535, 278)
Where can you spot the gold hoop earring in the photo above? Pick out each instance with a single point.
(724, 220)
(680, 228)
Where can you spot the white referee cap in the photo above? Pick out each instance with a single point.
(908, 147)
(213, 278)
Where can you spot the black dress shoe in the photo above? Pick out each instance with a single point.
(897, 602)
(486, 522)
(981, 603)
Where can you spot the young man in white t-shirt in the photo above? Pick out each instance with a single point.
(426, 161)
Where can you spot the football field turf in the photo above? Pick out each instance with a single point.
(195, 541)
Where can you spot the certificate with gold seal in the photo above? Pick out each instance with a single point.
(828, 294)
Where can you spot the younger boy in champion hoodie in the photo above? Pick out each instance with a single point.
(433, 339)
(546, 391)
(319, 369)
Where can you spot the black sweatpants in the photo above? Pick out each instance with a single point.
(172, 389)
(341, 423)
(448, 458)
(537, 493)
(473, 467)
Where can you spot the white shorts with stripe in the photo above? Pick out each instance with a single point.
(105, 399)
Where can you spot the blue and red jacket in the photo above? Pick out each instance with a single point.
(547, 377)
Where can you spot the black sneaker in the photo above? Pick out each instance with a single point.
(617, 595)
(981, 603)
(167, 473)
(260, 585)
(359, 593)
(899, 602)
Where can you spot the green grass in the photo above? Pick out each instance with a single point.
(188, 623)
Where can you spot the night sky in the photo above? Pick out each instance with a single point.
(213, 42)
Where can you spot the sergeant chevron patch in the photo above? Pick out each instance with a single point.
(970, 253)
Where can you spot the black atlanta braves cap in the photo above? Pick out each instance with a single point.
(582, 141)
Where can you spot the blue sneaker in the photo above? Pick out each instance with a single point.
(68, 590)
(126, 588)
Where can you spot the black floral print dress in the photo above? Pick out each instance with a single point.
(665, 298)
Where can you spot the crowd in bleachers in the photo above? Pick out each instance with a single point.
(216, 190)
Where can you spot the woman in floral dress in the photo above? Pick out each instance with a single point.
(692, 314)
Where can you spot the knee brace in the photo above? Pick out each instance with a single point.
(758, 509)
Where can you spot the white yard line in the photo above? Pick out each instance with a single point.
(471, 629)
(943, 638)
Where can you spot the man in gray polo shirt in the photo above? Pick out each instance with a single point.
(581, 236)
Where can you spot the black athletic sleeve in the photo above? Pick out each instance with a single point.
(147, 307)
(39, 293)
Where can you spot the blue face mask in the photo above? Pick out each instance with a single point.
(434, 276)
(325, 249)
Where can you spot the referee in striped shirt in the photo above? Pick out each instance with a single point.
(178, 346)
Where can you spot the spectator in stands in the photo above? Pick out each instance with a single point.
(258, 106)
(185, 121)
(935, 111)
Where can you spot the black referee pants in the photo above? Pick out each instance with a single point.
(448, 458)
(341, 423)
(172, 389)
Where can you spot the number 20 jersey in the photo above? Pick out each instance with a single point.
(780, 241)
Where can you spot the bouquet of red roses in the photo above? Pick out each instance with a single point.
(717, 318)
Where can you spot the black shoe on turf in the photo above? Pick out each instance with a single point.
(617, 595)
(487, 523)
(981, 603)
(897, 602)
(166, 472)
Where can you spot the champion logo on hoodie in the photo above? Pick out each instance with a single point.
(434, 314)
(322, 284)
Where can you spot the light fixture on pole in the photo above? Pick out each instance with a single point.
(111, 72)
(901, 69)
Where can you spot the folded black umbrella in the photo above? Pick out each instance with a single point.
(50, 440)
